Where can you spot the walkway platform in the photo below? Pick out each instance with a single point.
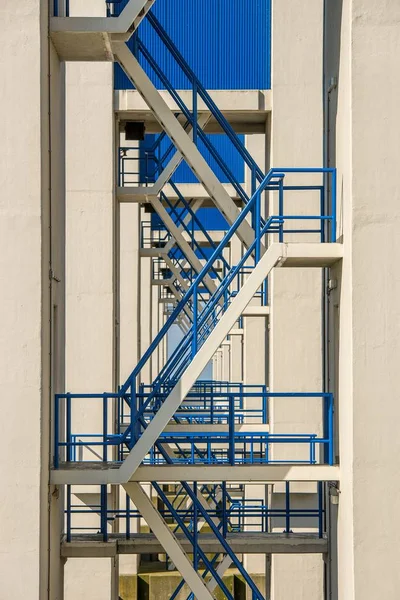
(90, 473)
(246, 110)
(92, 546)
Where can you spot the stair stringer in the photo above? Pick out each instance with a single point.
(181, 139)
(272, 257)
(168, 540)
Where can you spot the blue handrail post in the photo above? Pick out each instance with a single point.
(330, 429)
(103, 512)
(265, 406)
(333, 203)
(231, 422)
(320, 520)
(68, 513)
(68, 423)
(105, 419)
(195, 319)
(56, 458)
(195, 528)
(134, 413)
(280, 209)
(128, 517)
(224, 515)
(287, 506)
(324, 223)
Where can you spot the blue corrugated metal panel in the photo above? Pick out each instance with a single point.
(226, 42)
(225, 149)
(211, 219)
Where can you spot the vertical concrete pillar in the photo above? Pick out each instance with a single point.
(32, 280)
(295, 336)
(254, 372)
(146, 306)
(367, 157)
(90, 263)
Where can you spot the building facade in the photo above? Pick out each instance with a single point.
(199, 339)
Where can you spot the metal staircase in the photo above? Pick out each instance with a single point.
(176, 421)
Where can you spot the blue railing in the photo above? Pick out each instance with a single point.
(235, 515)
(207, 314)
(227, 446)
(213, 310)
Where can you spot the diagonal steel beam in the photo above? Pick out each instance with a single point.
(135, 457)
(185, 145)
(168, 540)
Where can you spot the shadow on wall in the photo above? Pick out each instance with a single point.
(175, 335)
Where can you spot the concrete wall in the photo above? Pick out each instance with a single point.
(295, 335)
(90, 319)
(367, 126)
(32, 331)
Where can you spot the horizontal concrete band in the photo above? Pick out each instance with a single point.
(101, 473)
(92, 546)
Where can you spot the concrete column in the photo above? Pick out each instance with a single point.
(254, 372)
(367, 157)
(155, 313)
(225, 355)
(145, 309)
(236, 358)
(32, 281)
(90, 305)
(295, 337)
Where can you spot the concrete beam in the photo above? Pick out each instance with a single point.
(89, 545)
(246, 110)
(100, 473)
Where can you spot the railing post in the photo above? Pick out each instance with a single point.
(224, 514)
(103, 512)
(320, 520)
(330, 430)
(134, 412)
(333, 206)
(231, 424)
(195, 526)
(195, 319)
(280, 210)
(68, 424)
(287, 505)
(68, 513)
(56, 459)
(105, 428)
(128, 519)
(265, 406)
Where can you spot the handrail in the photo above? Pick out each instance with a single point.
(255, 202)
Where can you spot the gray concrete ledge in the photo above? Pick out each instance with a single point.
(87, 545)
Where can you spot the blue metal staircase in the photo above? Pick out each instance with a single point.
(178, 420)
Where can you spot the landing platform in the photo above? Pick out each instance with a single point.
(95, 473)
(92, 546)
(246, 110)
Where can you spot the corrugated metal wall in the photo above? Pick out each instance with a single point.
(226, 42)
(184, 174)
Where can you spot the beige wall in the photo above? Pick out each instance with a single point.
(90, 331)
(367, 158)
(295, 335)
(31, 245)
